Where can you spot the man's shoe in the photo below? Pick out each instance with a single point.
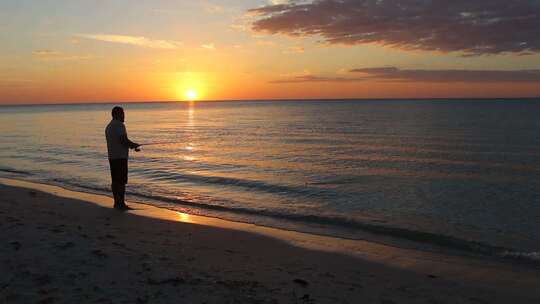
(122, 207)
(125, 208)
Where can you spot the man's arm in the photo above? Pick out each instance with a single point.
(126, 142)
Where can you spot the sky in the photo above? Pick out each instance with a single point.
(58, 51)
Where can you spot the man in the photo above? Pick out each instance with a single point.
(118, 146)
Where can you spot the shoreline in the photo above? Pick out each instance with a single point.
(405, 265)
(304, 239)
(398, 237)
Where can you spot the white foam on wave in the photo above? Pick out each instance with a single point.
(532, 256)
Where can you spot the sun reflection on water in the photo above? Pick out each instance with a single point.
(184, 217)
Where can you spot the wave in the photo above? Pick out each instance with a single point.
(9, 170)
(523, 256)
(252, 185)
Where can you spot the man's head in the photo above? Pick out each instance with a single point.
(118, 114)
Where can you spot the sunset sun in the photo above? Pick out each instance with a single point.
(190, 94)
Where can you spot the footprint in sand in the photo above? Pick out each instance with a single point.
(42, 280)
(307, 299)
(47, 300)
(301, 282)
(99, 253)
(56, 230)
(45, 291)
(66, 245)
(175, 281)
(146, 267)
(16, 245)
(118, 244)
(12, 219)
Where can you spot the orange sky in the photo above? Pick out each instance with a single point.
(73, 51)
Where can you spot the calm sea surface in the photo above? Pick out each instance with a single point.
(462, 174)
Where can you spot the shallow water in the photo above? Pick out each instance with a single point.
(447, 172)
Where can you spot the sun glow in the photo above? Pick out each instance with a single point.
(190, 94)
(188, 86)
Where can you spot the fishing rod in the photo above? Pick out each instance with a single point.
(138, 149)
(160, 143)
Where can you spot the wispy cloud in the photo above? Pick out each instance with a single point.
(315, 78)
(8, 79)
(45, 53)
(209, 46)
(10, 82)
(58, 56)
(393, 74)
(465, 26)
(265, 43)
(134, 40)
(297, 49)
(214, 8)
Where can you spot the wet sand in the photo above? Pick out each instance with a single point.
(71, 247)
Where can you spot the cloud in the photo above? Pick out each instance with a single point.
(275, 2)
(10, 80)
(134, 40)
(393, 74)
(209, 46)
(214, 8)
(58, 56)
(45, 53)
(470, 27)
(297, 49)
(265, 43)
(314, 78)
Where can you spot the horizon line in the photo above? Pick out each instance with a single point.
(265, 100)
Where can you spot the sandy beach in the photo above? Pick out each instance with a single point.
(59, 249)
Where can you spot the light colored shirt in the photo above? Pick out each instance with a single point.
(115, 147)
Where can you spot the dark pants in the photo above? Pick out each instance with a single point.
(119, 173)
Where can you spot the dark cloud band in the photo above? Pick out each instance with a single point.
(313, 78)
(395, 74)
(473, 27)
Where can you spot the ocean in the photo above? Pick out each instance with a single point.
(457, 174)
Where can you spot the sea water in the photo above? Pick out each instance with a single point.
(462, 174)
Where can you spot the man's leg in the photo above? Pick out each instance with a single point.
(117, 194)
(123, 179)
(122, 194)
(119, 180)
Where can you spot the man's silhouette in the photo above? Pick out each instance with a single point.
(118, 146)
